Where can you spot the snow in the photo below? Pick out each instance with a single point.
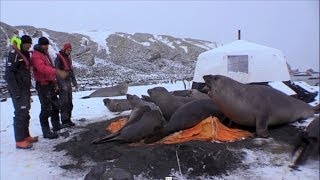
(84, 42)
(165, 41)
(206, 46)
(42, 161)
(152, 40)
(98, 36)
(185, 48)
(306, 86)
(142, 43)
(279, 85)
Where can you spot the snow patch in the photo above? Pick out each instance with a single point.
(84, 42)
(165, 41)
(185, 48)
(152, 40)
(205, 45)
(98, 36)
(306, 86)
(279, 85)
(142, 43)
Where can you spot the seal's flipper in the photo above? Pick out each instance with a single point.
(104, 139)
(262, 128)
(146, 98)
(137, 113)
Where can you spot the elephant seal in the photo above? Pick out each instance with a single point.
(255, 105)
(308, 143)
(183, 93)
(144, 119)
(136, 131)
(117, 105)
(166, 101)
(198, 95)
(118, 90)
(185, 117)
(139, 108)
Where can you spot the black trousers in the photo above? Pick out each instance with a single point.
(49, 106)
(21, 117)
(65, 98)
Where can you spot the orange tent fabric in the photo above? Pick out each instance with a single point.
(117, 125)
(210, 129)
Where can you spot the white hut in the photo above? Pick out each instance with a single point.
(243, 61)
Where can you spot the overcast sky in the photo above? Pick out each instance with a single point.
(291, 26)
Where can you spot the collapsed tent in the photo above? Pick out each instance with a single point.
(209, 129)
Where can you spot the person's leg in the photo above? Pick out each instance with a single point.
(46, 108)
(55, 118)
(19, 123)
(70, 105)
(64, 106)
(27, 96)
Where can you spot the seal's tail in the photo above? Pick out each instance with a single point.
(303, 150)
(85, 97)
(109, 138)
(316, 109)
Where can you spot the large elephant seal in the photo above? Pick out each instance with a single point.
(185, 117)
(118, 90)
(308, 143)
(166, 101)
(149, 122)
(255, 105)
(117, 105)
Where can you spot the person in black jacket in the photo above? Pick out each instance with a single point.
(18, 78)
(63, 62)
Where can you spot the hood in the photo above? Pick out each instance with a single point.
(37, 47)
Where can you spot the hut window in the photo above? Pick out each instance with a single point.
(238, 63)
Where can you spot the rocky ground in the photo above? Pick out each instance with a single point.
(196, 159)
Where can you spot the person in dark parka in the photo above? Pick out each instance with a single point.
(64, 62)
(18, 78)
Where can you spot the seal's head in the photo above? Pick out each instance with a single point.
(106, 101)
(212, 83)
(152, 92)
(133, 99)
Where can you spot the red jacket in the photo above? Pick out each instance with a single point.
(43, 68)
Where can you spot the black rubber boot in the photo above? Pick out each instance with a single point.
(58, 127)
(50, 135)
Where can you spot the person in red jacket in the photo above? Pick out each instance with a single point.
(45, 75)
(64, 62)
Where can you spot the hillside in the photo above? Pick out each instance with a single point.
(105, 57)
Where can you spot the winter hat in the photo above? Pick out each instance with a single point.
(43, 41)
(67, 46)
(25, 39)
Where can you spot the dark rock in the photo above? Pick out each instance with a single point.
(117, 174)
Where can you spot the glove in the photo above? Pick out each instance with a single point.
(77, 87)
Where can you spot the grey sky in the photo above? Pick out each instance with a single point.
(291, 26)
